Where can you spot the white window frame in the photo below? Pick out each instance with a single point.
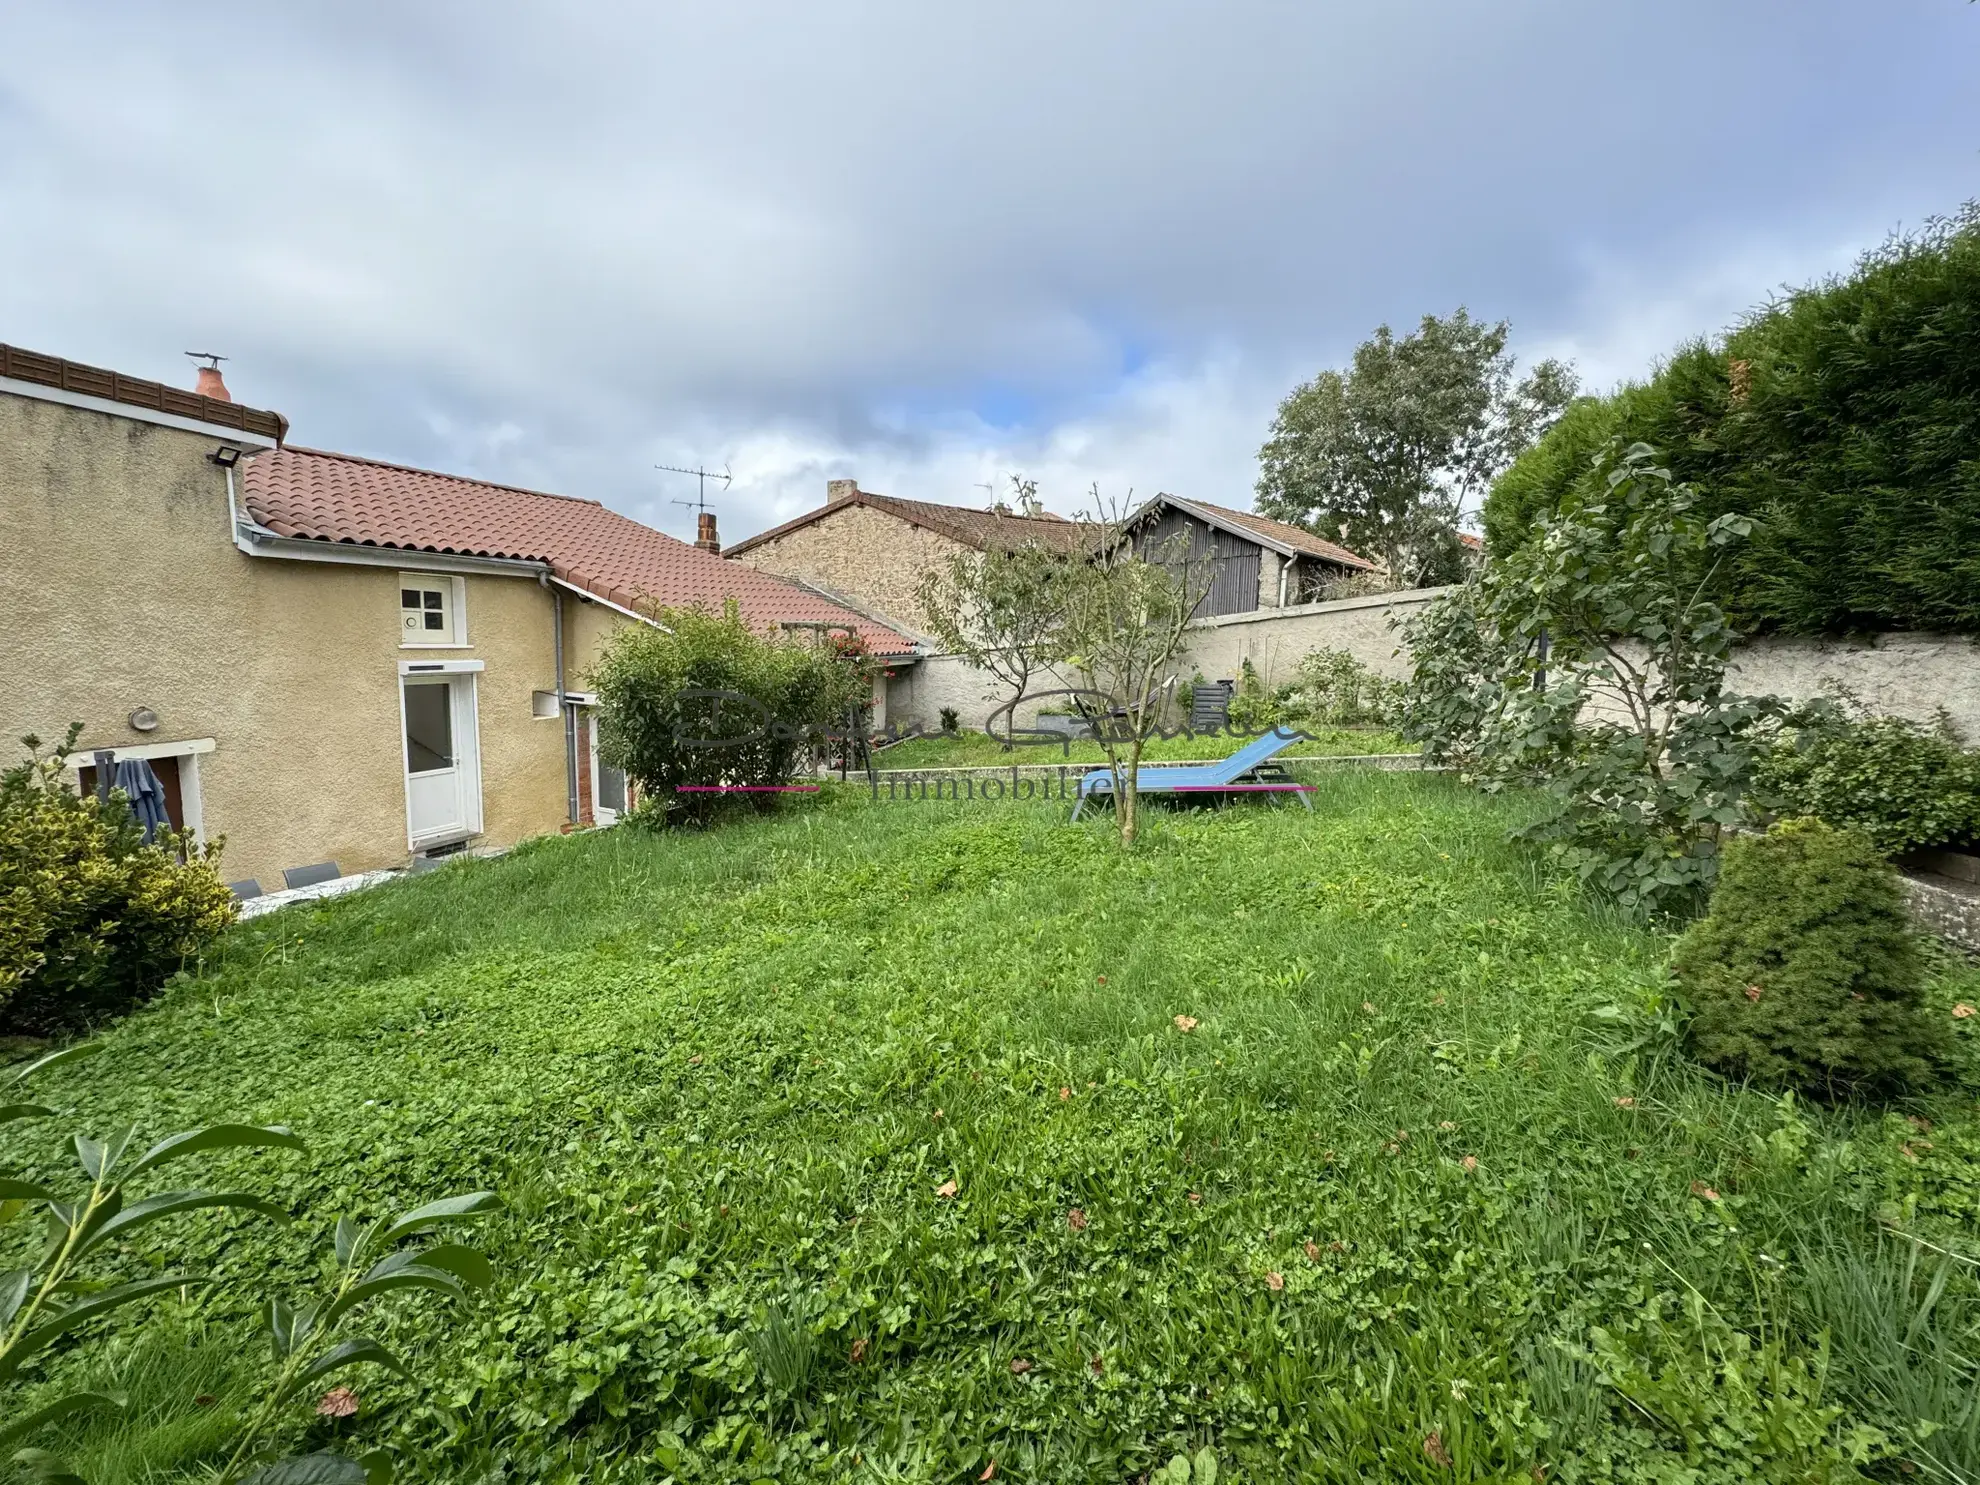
(455, 587)
(188, 752)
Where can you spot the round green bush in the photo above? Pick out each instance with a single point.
(1903, 785)
(1804, 973)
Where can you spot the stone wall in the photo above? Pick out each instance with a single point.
(876, 560)
(1908, 675)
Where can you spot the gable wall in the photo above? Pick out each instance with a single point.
(873, 558)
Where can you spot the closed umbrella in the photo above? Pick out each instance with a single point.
(146, 794)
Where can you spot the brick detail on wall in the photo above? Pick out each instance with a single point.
(875, 559)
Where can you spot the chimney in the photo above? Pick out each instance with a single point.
(840, 490)
(704, 532)
(210, 383)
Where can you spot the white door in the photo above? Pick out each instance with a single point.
(608, 784)
(443, 774)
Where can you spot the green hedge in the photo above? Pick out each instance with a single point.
(1846, 417)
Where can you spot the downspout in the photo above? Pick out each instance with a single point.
(564, 708)
(1285, 570)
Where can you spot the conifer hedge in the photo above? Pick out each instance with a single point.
(1844, 417)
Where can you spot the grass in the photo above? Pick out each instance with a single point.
(976, 749)
(1427, 1178)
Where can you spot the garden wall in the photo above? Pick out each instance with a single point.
(1907, 675)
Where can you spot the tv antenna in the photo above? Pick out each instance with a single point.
(211, 358)
(700, 502)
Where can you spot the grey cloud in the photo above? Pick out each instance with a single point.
(558, 243)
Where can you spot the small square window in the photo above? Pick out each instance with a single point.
(435, 621)
(429, 610)
(432, 602)
(408, 598)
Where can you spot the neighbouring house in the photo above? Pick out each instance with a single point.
(871, 551)
(1253, 562)
(324, 658)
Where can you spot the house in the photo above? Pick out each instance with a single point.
(324, 657)
(1254, 562)
(872, 551)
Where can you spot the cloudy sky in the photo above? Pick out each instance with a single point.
(926, 245)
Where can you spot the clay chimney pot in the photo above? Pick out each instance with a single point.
(211, 385)
(704, 532)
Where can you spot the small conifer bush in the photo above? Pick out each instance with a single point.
(1803, 973)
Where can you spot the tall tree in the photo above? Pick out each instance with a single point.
(1386, 456)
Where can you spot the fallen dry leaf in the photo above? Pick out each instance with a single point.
(947, 1188)
(1753, 992)
(989, 1471)
(1962, 1010)
(1197, 1197)
(1312, 1252)
(1275, 1281)
(936, 1115)
(1700, 1189)
(1337, 1246)
(1185, 1023)
(1368, 1006)
(1446, 1124)
(338, 1402)
(1470, 1162)
(1919, 1123)
(1099, 1366)
(1019, 1367)
(1102, 979)
(205, 1400)
(1064, 1094)
(1625, 1102)
(1076, 1220)
(859, 1351)
(1433, 1448)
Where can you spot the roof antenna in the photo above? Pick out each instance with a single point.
(700, 502)
(211, 358)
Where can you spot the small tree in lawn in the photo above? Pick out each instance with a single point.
(1613, 687)
(1126, 618)
(1003, 609)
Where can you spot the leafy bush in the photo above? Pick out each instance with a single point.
(1804, 972)
(1902, 785)
(1334, 688)
(707, 702)
(951, 721)
(1255, 707)
(92, 919)
(1840, 418)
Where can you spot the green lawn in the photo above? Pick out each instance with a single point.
(1427, 1179)
(970, 749)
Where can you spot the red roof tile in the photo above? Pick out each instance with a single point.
(318, 496)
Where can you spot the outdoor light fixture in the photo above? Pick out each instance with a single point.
(226, 456)
(144, 719)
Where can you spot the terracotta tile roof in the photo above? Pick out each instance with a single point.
(984, 530)
(318, 496)
(113, 386)
(1276, 533)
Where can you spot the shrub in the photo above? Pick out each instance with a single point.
(1840, 418)
(1804, 973)
(1255, 707)
(92, 919)
(951, 721)
(707, 702)
(1904, 786)
(1334, 688)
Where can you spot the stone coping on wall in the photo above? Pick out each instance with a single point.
(1406, 597)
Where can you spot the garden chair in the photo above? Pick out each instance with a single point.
(1249, 770)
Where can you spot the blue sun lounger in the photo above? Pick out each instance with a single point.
(1238, 774)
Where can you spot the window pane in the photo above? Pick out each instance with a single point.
(429, 727)
(611, 788)
(408, 598)
(432, 598)
(435, 621)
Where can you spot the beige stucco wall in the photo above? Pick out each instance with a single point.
(876, 560)
(1275, 641)
(120, 587)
